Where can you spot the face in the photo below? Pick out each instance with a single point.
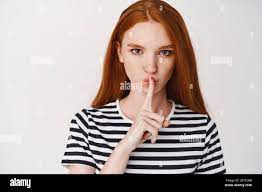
(146, 50)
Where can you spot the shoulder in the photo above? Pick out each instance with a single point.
(185, 112)
(108, 108)
(87, 114)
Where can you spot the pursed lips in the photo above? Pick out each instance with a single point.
(146, 80)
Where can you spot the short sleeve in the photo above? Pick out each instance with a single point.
(77, 149)
(212, 161)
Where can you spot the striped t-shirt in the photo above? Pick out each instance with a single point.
(190, 144)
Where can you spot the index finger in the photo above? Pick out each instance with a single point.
(148, 100)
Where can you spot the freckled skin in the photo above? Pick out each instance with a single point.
(150, 60)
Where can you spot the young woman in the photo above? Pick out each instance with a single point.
(159, 125)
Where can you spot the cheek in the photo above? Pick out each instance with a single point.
(166, 67)
(132, 67)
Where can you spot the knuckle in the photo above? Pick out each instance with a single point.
(155, 131)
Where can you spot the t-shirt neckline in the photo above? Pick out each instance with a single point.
(130, 121)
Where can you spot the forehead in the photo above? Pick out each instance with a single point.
(147, 34)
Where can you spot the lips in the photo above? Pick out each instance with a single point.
(146, 80)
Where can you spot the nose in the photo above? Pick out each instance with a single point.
(150, 64)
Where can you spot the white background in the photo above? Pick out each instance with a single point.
(51, 54)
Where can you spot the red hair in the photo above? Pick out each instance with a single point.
(183, 86)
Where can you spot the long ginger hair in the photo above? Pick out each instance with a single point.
(183, 86)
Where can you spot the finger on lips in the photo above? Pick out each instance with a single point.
(158, 120)
(148, 100)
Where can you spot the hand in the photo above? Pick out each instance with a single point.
(147, 123)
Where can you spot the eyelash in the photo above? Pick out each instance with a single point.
(132, 51)
(170, 52)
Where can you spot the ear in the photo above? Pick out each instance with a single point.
(118, 48)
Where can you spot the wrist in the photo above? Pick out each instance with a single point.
(125, 147)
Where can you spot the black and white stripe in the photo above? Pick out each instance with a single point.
(189, 145)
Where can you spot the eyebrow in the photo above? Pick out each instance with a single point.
(162, 47)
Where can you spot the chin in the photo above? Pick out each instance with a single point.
(156, 89)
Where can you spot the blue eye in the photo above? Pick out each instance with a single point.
(166, 52)
(136, 51)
